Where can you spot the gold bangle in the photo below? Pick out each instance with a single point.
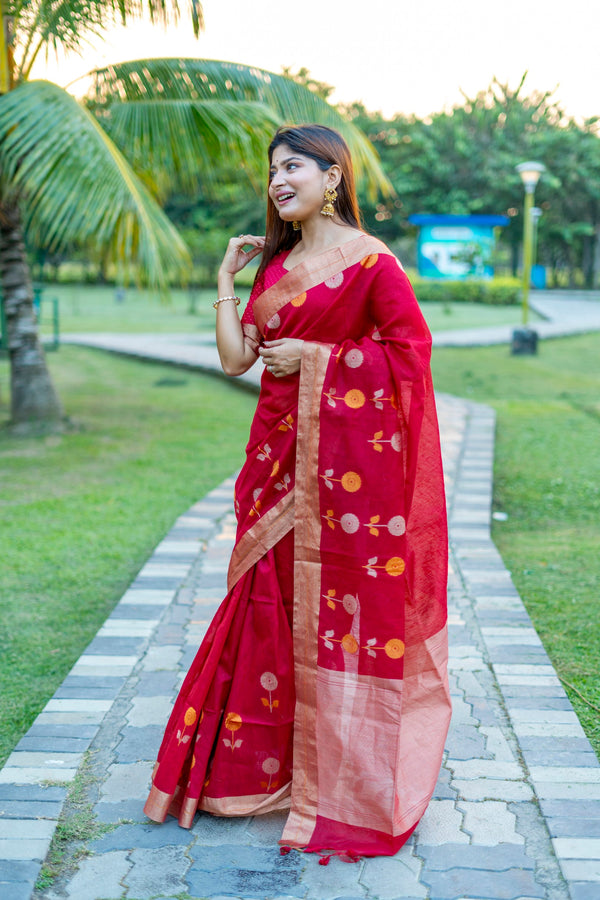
(222, 299)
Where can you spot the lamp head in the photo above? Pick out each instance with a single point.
(530, 174)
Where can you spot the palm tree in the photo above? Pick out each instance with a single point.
(93, 172)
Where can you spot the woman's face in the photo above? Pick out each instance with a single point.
(297, 184)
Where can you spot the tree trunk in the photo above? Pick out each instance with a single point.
(33, 398)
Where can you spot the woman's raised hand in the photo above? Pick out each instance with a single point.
(236, 257)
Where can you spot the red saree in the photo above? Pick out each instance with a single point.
(321, 683)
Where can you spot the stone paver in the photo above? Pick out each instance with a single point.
(516, 812)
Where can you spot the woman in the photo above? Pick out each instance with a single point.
(321, 684)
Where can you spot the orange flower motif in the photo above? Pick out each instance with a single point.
(395, 566)
(275, 468)
(190, 716)
(369, 261)
(233, 721)
(351, 482)
(299, 300)
(349, 643)
(394, 648)
(354, 399)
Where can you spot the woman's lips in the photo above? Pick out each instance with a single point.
(282, 199)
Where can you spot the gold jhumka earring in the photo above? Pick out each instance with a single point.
(296, 225)
(330, 198)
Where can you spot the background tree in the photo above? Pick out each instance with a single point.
(463, 162)
(91, 173)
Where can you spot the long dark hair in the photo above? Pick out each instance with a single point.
(327, 148)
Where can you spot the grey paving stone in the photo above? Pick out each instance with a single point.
(156, 684)
(29, 809)
(18, 870)
(155, 583)
(124, 810)
(142, 836)
(188, 655)
(573, 826)
(170, 633)
(498, 858)
(139, 743)
(265, 829)
(244, 883)
(548, 758)
(130, 780)
(156, 872)
(60, 729)
(117, 646)
(392, 877)
(484, 885)
(32, 792)
(104, 872)
(584, 890)
(87, 693)
(587, 809)
(15, 890)
(53, 744)
(252, 858)
(466, 742)
(141, 611)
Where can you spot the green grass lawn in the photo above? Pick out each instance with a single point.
(547, 479)
(81, 512)
(91, 308)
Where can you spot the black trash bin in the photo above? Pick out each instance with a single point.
(524, 342)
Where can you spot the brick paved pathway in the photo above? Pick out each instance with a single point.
(516, 813)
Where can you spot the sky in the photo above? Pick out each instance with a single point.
(394, 56)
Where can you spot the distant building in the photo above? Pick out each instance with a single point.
(456, 246)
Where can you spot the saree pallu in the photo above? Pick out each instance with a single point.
(321, 684)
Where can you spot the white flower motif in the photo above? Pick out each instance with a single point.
(354, 358)
(269, 681)
(396, 441)
(274, 321)
(397, 526)
(270, 765)
(335, 280)
(349, 523)
(350, 603)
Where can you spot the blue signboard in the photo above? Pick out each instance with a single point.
(456, 246)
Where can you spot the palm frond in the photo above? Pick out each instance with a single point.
(70, 24)
(209, 81)
(78, 187)
(176, 143)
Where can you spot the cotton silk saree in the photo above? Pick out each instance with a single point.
(321, 684)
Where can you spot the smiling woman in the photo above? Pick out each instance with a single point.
(325, 666)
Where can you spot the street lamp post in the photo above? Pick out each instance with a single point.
(525, 339)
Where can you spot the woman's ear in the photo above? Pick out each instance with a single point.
(334, 176)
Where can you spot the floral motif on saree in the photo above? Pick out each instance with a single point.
(321, 683)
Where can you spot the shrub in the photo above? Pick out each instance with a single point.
(495, 292)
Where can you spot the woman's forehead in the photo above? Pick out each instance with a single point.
(283, 153)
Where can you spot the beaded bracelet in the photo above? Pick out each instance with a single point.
(221, 299)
